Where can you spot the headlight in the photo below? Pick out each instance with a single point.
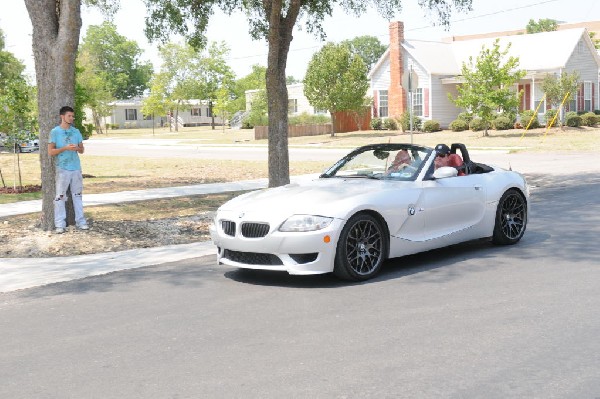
(305, 223)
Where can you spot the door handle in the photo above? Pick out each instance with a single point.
(477, 187)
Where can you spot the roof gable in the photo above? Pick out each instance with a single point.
(536, 52)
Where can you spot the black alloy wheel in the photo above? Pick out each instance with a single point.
(361, 249)
(511, 218)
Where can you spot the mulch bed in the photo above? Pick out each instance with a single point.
(32, 188)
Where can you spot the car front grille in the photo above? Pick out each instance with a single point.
(252, 258)
(228, 227)
(255, 230)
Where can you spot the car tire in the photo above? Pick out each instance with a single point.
(361, 248)
(511, 218)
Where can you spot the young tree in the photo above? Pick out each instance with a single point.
(368, 47)
(274, 21)
(488, 84)
(56, 27)
(16, 116)
(557, 88)
(336, 80)
(542, 25)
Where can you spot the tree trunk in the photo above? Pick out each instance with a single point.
(333, 119)
(97, 121)
(56, 26)
(212, 115)
(279, 38)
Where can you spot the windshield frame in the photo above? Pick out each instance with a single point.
(380, 173)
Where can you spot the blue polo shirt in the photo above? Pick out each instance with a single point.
(67, 160)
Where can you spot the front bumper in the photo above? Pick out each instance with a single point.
(311, 252)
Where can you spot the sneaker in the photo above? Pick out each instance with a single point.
(83, 227)
(59, 230)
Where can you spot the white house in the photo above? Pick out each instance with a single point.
(128, 114)
(438, 67)
(297, 101)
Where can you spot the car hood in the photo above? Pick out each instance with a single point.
(332, 197)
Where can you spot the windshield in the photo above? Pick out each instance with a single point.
(391, 161)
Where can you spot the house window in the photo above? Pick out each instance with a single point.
(292, 106)
(131, 114)
(320, 111)
(542, 108)
(383, 104)
(587, 96)
(209, 112)
(418, 102)
(148, 117)
(196, 112)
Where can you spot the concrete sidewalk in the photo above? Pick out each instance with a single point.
(21, 273)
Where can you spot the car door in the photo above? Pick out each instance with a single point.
(452, 204)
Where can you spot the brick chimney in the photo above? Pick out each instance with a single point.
(396, 94)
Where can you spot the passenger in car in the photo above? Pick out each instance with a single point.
(401, 161)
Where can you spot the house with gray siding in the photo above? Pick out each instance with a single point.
(128, 114)
(437, 68)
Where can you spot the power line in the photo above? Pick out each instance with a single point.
(385, 35)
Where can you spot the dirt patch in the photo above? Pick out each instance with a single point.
(19, 238)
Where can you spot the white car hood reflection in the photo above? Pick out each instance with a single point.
(332, 197)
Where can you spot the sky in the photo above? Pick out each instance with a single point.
(486, 16)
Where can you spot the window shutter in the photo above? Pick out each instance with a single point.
(425, 102)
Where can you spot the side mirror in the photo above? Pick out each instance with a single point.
(445, 171)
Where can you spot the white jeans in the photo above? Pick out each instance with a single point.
(64, 179)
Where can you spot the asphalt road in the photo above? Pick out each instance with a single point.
(470, 321)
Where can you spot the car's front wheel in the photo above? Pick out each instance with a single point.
(361, 248)
(511, 218)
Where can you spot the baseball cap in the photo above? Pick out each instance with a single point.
(442, 149)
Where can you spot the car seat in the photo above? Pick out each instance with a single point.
(456, 161)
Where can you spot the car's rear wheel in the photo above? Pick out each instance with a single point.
(511, 218)
(361, 248)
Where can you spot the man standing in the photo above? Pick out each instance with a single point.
(66, 143)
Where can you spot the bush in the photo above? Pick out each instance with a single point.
(550, 114)
(597, 111)
(526, 117)
(246, 124)
(390, 124)
(465, 116)
(572, 119)
(86, 130)
(431, 126)
(589, 119)
(502, 123)
(307, 119)
(405, 122)
(459, 125)
(376, 124)
(477, 124)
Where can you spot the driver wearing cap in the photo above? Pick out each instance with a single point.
(442, 152)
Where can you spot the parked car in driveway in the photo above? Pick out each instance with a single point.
(29, 145)
(26, 142)
(364, 210)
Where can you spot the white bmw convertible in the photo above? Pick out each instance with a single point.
(380, 201)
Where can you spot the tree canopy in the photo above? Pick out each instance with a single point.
(369, 48)
(336, 79)
(542, 25)
(115, 60)
(488, 84)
